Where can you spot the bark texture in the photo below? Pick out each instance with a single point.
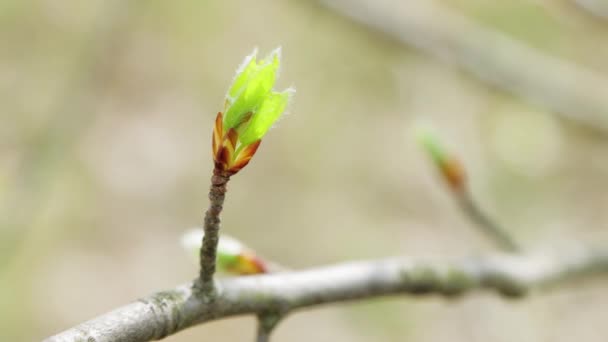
(168, 312)
(217, 194)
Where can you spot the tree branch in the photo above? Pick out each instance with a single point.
(488, 226)
(217, 194)
(599, 8)
(168, 312)
(267, 321)
(571, 90)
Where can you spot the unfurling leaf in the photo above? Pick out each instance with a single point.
(268, 113)
(251, 108)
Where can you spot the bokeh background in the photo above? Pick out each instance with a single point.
(106, 114)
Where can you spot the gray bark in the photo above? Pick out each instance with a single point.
(165, 313)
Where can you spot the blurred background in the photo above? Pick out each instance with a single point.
(107, 109)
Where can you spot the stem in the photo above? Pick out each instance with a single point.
(262, 335)
(493, 230)
(267, 321)
(217, 193)
(167, 312)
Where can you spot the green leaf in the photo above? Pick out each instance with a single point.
(243, 73)
(267, 114)
(250, 88)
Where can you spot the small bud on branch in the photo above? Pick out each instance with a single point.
(454, 174)
(450, 167)
(251, 108)
(232, 256)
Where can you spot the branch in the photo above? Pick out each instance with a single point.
(498, 234)
(168, 312)
(571, 90)
(267, 321)
(599, 8)
(454, 175)
(217, 194)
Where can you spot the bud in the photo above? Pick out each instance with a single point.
(449, 166)
(251, 108)
(232, 256)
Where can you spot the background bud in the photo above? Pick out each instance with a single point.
(232, 256)
(449, 166)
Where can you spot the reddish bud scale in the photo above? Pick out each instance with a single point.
(260, 264)
(218, 130)
(224, 148)
(454, 173)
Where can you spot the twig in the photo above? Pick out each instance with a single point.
(487, 225)
(453, 173)
(217, 194)
(168, 312)
(267, 321)
(571, 90)
(598, 8)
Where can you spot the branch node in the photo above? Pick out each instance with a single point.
(206, 291)
(267, 321)
(272, 296)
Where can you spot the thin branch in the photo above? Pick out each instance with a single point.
(598, 8)
(498, 234)
(453, 173)
(168, 312)
(267, 321)
(575, 92)
(217, 194)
